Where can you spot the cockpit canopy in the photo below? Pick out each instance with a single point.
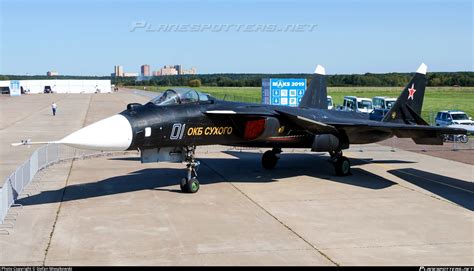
(179, 96)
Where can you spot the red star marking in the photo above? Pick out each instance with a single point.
(411, 91)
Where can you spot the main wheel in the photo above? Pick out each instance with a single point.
(342, 166)
(269, 160)
(192, 186)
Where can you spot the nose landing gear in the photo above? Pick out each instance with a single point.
(190, 184)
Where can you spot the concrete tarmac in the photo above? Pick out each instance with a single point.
(30, 117)
(397, 208)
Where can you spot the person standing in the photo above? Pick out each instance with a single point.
(54, 107)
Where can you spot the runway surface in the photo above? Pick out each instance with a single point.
(397, 207)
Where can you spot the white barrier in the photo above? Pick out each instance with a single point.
(24, 174)
(63, 85)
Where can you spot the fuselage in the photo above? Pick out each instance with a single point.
(156, 126)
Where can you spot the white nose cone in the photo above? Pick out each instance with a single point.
(110, 134)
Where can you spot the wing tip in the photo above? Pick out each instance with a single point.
(422, 69)
(320, 70)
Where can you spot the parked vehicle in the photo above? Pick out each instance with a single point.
(353, 103)
(380, 102)
(47, 89)
(378, 114)
(5, 90)
(456, 138)
(450, 117)
(455, 119)
(330, 103)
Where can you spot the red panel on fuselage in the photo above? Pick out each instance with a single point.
(254, 128)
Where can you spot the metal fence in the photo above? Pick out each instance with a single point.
(41, 158)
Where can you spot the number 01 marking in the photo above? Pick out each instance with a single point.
(177, 131)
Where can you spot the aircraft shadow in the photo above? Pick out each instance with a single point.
(455, 190)
(246, 169)
(295, 164)
(145, 179)
(125, 159)
(391, 161)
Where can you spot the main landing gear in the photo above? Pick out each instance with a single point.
(270, 158)
(341, 163)
(190, 184)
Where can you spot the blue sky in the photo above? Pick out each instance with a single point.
(90, 37)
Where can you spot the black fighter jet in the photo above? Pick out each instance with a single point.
(170, 126)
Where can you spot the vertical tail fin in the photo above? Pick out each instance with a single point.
(407, 108)
(316, 93)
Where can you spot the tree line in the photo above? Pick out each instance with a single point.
(255, 80)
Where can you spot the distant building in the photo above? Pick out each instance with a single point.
(179, 69)
(190, 71)
(169, 70)
(60, 85)
(145, 69)
(52, 73)
(118, 71)
(130, 74)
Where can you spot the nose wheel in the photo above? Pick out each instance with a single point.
(342, 166)
(189, 186)
(270, 158)
(190, 183)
